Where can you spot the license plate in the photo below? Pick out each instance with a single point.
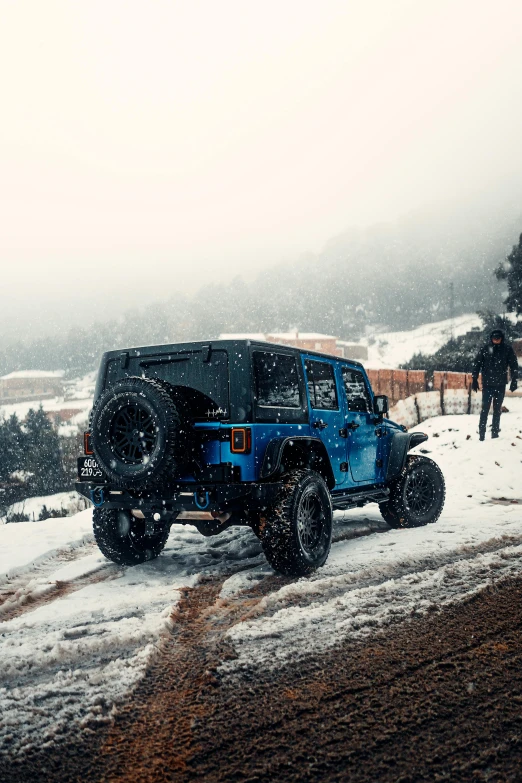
(88, 470)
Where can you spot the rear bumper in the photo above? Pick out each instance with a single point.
(182, 497)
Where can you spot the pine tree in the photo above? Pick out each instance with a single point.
(43, 457)
(12, 446)
(511, 270)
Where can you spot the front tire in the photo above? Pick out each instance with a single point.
(389, 515)
(297, 532)
(121, 537)
(417, 497)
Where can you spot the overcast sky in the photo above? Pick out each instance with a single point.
(149, 145)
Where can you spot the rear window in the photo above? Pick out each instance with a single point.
(321, 385)
(202, 373)
(276, 380)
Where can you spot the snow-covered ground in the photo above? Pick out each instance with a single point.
(78, 631)
(71, 660)
(391, 349)
(369, 582)
(67, 503)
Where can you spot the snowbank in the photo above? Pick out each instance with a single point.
(68, 502)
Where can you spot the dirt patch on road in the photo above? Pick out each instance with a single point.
(438, 698)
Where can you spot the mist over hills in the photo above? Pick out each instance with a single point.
(390, 276)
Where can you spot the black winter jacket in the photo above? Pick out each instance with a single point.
(493, 361)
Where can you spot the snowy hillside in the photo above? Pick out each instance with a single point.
(391, 349)
(72, 408)
(77, 632)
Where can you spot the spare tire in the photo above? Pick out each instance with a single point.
(140, 433)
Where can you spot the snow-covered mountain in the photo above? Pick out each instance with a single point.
(391, 349)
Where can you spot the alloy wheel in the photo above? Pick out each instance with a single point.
(133, 434)
(419, 493)
(310, 522)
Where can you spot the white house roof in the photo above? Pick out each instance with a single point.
(33, 374)
(301, 336)
(276, 336)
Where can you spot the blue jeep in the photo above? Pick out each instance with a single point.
(237, 432)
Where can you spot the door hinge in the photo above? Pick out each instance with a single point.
(378, 462)
(343, 433)
(343, 467)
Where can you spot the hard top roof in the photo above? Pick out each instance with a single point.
(223, 344)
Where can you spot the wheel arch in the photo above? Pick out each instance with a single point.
(292, 453)
(402, 443)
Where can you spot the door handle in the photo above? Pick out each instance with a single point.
(319, 424)
(352, 425)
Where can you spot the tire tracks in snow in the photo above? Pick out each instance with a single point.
(31, 589)
(157, 726)
(320, 588)
(360, 711)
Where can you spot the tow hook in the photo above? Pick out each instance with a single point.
(202, 500)
(97, 498)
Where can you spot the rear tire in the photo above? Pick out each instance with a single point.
(417, 497)
(297, 532)
(121, 537)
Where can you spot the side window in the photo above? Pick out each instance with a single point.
(356, 391)
(276, 380)
(321, 385)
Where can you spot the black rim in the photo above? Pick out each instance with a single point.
(419, 493)
(133, 434)
(310, 522)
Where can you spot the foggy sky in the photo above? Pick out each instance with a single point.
(147, 146)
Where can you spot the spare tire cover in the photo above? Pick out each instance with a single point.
(139, 433)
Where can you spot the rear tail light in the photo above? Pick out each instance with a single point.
(240, 440)
(87, 445)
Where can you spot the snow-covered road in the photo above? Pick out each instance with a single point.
(77, 632)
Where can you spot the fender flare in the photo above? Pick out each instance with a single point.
(402, 443)
(275, 450)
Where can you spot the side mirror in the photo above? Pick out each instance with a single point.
(380, 405)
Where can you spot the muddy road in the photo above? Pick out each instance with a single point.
(435, 698)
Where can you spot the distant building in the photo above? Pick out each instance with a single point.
(517, 347)
(353, 350)
(26, 385)
(63, 416)
(308, 341)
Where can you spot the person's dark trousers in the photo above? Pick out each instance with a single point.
(496, 395)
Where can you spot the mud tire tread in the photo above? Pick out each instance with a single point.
(276, 528)
(394, 511)
(125, 551)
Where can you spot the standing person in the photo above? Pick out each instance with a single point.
(492, 361)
